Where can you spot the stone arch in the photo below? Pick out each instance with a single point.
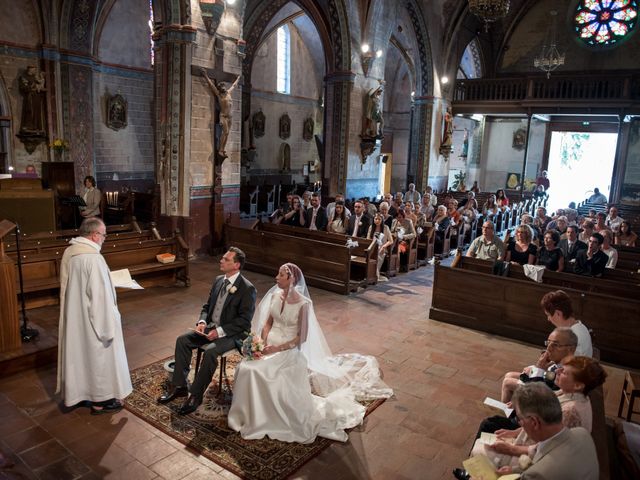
(424, 83)
(471, 64)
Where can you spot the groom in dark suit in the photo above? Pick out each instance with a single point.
(225, 318)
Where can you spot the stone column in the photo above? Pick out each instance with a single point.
(421, 128)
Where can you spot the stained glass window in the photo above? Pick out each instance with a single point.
(605, 22)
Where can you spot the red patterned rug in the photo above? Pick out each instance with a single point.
(206, 430)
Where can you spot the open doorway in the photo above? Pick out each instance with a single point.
(578, 162)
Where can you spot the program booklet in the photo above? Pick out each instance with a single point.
(479, 466)
(498, 405)
(122, 278)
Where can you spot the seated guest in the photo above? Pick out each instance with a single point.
(339, 198)
(92, 197)
(358, 222)
(306, 199)
(570, 246)
(501, 199)
(597, 198)
(487, 246)
(381, 232)
(613, 221)
(316, 214)
(612, 253)
(559, 311)
(434, 198)
(592, 261)
(369, 207)
(470, 201)
(402, 228)
(393, 211)
(475, 188)
(398, 200)
(295, 217)
(625, 236)
(571, 213)
(539, 192)
(452, 211)
(600, 223)
(559, 224)
(527, 220)
(592, 215)
(426, 208)
(586, 231)
(468, 215)
(561, 452)
(412, 195)
(560, 343)
(441, 222)
(385, 211)
(338, 223)
(550, 255)
(541, 219)
(520, 250)
(410, 213)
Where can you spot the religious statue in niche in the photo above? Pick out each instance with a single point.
(465, 145)
(519, 138)
(226, 104)
(285, 127)
(447, 134)
(116, 112)
(373, 122)
(33, 123)
(285, 156)
(258, 122)
(307, 129)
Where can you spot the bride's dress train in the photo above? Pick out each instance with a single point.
(273, 395)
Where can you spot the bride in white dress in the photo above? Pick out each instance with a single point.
(298, 390)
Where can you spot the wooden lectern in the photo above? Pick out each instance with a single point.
(9, 323)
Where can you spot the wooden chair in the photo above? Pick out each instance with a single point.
(222, 367)
(630, 391)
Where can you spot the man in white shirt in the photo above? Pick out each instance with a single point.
(412, 195)
(613, 221)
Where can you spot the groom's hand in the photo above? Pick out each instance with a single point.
(212, 335)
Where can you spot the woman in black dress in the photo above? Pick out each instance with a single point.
(550, 255)
(520, 250)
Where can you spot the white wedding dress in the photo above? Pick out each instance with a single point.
(272, 395)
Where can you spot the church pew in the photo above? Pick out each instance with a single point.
(510, 307)
(41, 271)
(628, 258)
(325, 265)
(364, 256)
(425, 244)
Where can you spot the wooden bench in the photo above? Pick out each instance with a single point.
(364, 257)
(325, 265)
(41, 271)
(510, 307)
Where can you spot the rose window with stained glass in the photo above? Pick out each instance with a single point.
(605, 22)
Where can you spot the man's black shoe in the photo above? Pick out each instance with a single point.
(460, 474)
(190, 406)
(173, 393)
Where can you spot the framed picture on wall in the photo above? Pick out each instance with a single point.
(305, 169)
(513, 180)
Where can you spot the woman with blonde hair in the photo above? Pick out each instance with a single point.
(520, 250)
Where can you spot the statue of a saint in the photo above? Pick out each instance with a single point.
(33, 105)
(447, 133)
(373, 121)
(226, 104)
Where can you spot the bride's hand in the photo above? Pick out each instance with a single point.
(269, 349)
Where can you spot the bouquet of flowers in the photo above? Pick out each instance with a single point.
(59, 145)
(252, 346)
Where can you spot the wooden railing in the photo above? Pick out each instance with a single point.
(602, 88)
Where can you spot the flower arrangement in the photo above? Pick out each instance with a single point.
(59, 145)
(252, 347)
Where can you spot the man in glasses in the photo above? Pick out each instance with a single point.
(567, 453)
(92, 362)
(560, 343)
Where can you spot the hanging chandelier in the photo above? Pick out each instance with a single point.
(550, 58)
(489, 10)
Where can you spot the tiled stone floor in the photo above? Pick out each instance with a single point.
(440, 374)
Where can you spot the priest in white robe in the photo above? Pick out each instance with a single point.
(92, 362)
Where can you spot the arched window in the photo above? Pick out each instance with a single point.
(471, 62)
(605, 22)
(284, 60)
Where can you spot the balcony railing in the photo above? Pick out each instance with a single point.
(593, 88)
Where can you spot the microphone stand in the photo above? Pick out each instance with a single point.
(26, 333)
